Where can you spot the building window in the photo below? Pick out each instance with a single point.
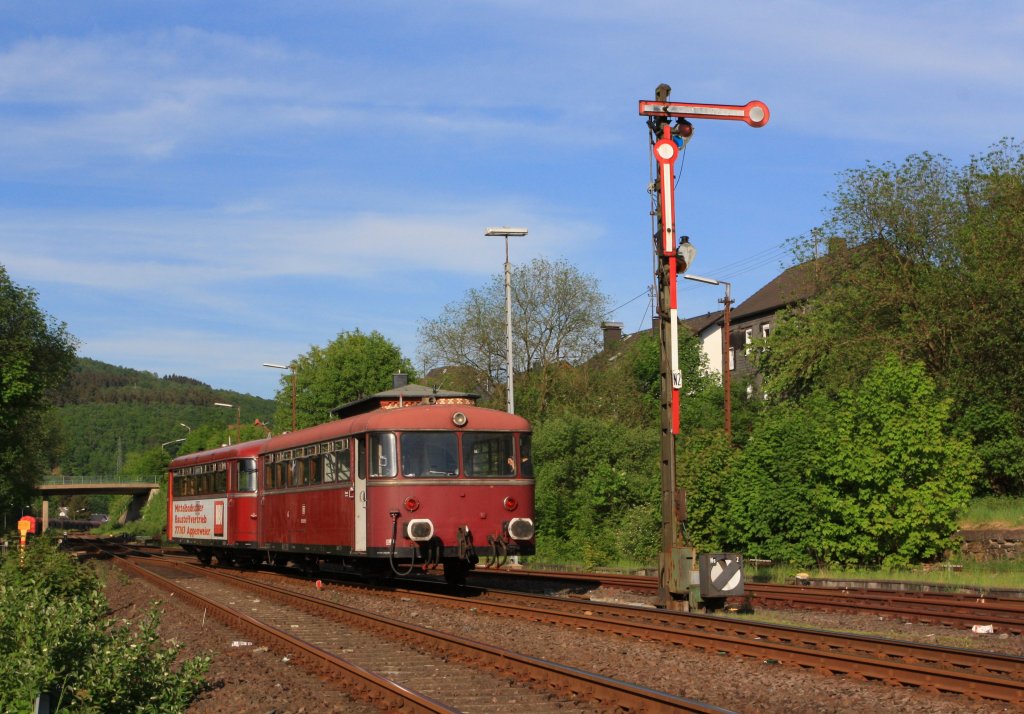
(766, 328)
(732, 359)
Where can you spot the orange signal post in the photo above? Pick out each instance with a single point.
(26, 525)
(674, 255)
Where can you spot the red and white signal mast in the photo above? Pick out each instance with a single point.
(670, 130)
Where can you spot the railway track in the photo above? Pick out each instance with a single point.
(960, 610)
(985, 677)
(978, 675)
(394, 663)
(975, 674)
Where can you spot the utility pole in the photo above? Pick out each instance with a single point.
(673, 256)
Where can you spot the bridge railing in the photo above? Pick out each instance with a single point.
(64, 480)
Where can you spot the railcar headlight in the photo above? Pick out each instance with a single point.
(419, 529)
(520, 529)
(459, 419)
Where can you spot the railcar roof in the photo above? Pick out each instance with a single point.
(408, 392)
(433, 417)
(246, 448)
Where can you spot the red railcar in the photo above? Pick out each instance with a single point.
(402, 487)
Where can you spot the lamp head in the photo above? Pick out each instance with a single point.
(685, 254)
(506, 231)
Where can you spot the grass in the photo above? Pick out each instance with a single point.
(994, 512)
(1003, 574)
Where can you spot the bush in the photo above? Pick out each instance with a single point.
(874, 477)
(56, 636)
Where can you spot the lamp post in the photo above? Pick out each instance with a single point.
(726, 368)
(292, 368)
(238, 421)
(506, 231)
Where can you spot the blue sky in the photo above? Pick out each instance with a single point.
(197, 188)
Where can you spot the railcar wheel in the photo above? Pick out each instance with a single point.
(205, 557)
(455, 572)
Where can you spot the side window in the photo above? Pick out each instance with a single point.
(344, 457)
(361, 457)
(382, 455)
(297, 475)
(336, 463)
(314, 475)
(525, 457)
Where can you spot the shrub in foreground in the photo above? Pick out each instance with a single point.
(57, 636)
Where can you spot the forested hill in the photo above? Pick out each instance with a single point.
(107, 412)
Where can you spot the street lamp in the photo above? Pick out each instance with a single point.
(506, 231)
(726, 370)
(238, 421)
(292, 368)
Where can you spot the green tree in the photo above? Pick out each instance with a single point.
(556, 313)
(921, 264)
(895, 478)
(352, 366)
(872, 476)
(38, 352)
(597, 490)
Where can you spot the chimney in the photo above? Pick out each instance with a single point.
(399, 380)
(612, 333)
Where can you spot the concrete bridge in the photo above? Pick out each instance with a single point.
(141, 488)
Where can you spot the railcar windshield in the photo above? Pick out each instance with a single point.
(247, 475)
(429, 454)
(489, 454)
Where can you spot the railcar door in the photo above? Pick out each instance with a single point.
(359, 488)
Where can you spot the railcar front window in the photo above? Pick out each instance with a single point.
(382, 455)
(428, 454)
(485, 454)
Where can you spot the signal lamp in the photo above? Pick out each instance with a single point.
(411, 504)
(511, 504)
(683, 128)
